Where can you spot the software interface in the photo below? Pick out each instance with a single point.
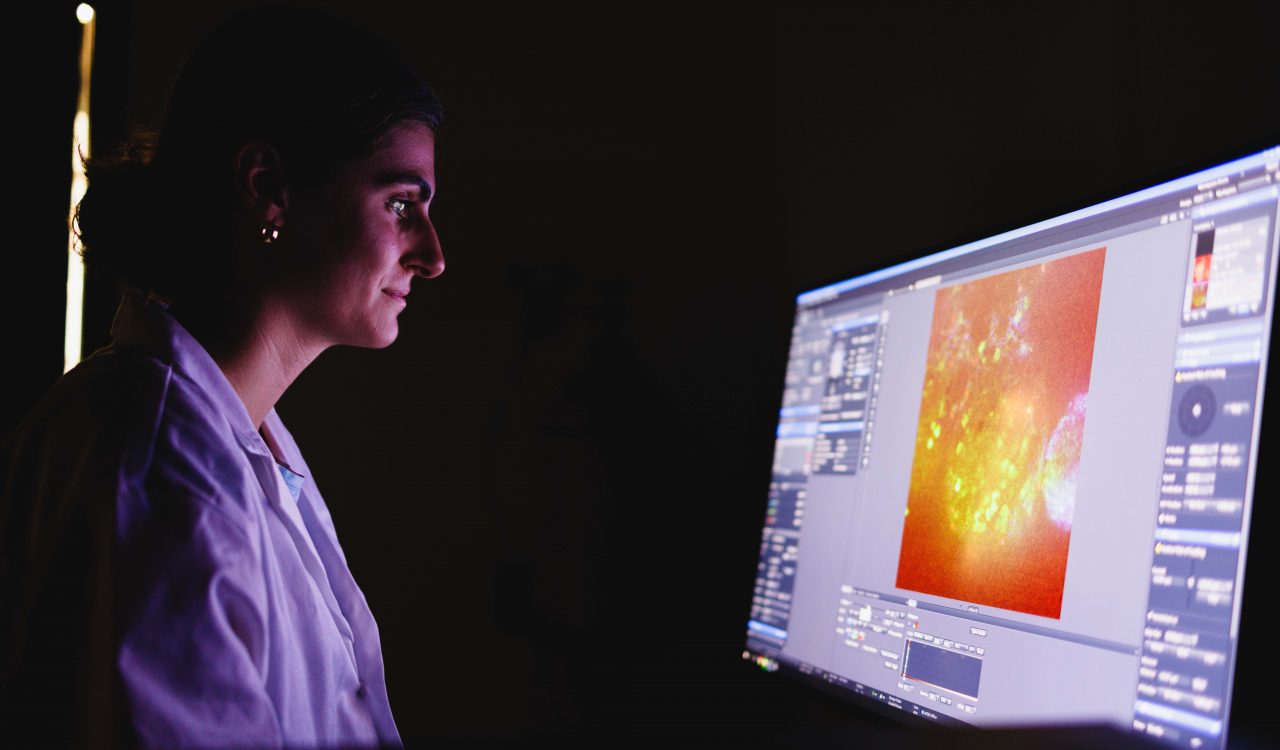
(1012, 481)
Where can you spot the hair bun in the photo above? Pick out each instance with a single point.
(122, 215)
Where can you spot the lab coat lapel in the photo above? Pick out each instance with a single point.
(351, 600)
(282, 503)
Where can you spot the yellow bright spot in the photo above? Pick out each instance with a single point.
(979, 525)
(981, 345)
(957, 488)
(906, 512)
(84, 13)
(959, 448)
(929, 444)
(996, 355)
(964, 420)
(937, 429)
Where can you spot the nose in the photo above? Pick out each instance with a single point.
(427, 258)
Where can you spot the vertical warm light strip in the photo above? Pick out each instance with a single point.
(79, 150)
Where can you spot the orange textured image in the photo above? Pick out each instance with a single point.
(997, 454)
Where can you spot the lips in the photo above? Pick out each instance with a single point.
(398, 294)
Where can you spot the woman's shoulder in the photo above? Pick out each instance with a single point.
(131, 418)
(100, 401)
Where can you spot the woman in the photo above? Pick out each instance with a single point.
(169, 574)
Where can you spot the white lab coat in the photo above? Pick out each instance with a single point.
(158, 579)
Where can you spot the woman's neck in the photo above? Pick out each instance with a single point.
(259, 349)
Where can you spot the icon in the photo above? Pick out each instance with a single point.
(1196, 410)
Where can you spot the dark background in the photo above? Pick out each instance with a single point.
(551, 487)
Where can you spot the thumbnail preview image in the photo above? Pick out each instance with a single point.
(997, 452)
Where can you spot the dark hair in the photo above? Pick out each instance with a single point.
(157, 214)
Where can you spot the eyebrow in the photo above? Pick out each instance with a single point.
(405, 178)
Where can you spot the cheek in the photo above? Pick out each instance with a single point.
(334, 256)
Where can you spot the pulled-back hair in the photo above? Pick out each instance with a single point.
(157, 215)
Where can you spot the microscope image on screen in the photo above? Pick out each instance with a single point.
(993, 481)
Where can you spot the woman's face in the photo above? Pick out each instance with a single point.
(362, 237)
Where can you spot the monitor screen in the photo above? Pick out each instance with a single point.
(1012, 481)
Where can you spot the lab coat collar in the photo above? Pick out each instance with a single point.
(143, 322)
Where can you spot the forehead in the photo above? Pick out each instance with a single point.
(407, 149)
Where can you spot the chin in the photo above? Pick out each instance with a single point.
(378, 339)
(384, 341)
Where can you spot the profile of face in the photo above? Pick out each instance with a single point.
(359, 239)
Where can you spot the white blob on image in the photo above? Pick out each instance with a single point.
(1062, 465)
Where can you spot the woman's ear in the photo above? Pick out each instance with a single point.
(260, 182)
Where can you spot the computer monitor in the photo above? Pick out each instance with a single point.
(1013, 481)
